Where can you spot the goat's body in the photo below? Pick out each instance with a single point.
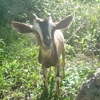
(59, 41)
(51, 42)
(51, 57)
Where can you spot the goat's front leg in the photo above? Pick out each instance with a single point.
(57, 78)
(45, 80)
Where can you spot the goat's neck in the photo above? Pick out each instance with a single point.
(46, 53)
(48, 56)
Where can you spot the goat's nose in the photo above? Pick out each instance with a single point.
(47, 41)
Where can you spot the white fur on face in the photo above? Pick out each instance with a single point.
(38, 29)
(50, 27)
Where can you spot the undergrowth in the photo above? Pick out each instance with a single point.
(21, 74)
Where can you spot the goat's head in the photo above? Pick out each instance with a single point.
(43, 28)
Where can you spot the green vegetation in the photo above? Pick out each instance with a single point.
(20, 72)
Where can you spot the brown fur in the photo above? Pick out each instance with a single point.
(51, 57)
(48, 57)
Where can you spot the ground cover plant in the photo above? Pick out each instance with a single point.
(20, 72)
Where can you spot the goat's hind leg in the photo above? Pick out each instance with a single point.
(63, 62)
(63, 65)
(57, 80)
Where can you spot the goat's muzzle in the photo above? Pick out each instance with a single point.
(47, 43)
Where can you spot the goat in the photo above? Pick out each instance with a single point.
(51, 42)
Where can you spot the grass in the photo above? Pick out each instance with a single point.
(29, 82)
(21, 74)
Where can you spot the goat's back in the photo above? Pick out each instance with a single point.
(59, 41)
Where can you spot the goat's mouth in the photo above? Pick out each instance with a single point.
(47, 47)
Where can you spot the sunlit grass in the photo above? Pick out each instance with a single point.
(21, 74)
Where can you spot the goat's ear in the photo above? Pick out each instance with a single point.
(64, 23)
(22, 28)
